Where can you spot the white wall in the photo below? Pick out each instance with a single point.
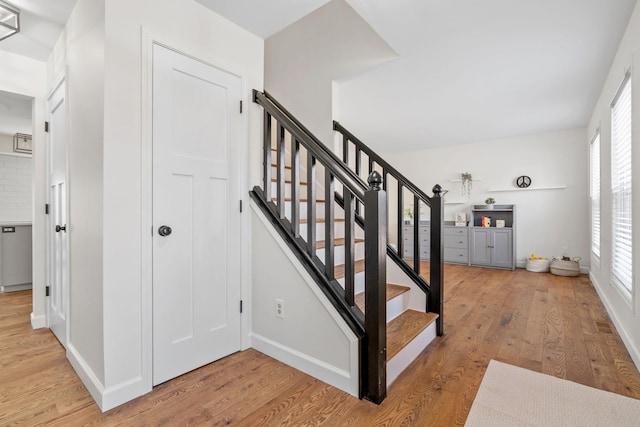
(312, 337)
(106, 55)
(79, 53)
(195, 30)
(16, 188)
(547, 220)
(625, 314)
(303, 60)
(27, 76)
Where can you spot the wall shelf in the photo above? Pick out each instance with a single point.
(503, 190)
(454, 202)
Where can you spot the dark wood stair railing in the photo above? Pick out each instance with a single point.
(434, 286)
(370, 327)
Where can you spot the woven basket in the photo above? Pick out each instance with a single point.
(538, 265)
(561, 267)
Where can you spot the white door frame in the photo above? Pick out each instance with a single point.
(47, 227)
(148, 40)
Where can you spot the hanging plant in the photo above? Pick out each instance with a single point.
(467, 183)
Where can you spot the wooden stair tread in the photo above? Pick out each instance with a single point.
(340, 241)
(393, 291)
(288, 181)
(404, 328)
(321, 220)
(338, 272)
(288, 199)
(276, 165)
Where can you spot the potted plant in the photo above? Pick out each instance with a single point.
(490, 201)
(408, 216)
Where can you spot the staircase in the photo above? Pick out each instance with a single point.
(337, 224)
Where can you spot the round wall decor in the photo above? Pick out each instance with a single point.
(523, 181)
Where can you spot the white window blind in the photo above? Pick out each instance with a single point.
(595, 194)
(622, 250)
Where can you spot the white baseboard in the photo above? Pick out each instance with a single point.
(123, 392)
(634, 351)
(15, 288)
(88, 378)
(38, 322)
(110, 397)
(331, 375)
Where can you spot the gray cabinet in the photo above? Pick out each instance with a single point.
(15, 257)
(493, 246)
(456, 244)
(424, 242)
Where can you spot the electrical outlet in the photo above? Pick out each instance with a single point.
(280, 308)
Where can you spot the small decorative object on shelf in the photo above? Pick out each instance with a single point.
(490, 201)
(467, 183)
(461, 219)
(408, 215)
(22, 143)
(523, 181)
(500, 223)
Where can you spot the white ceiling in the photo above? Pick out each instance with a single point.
(263, 17)
(41, 23)
(469, 70)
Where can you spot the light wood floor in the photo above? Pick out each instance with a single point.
(541, 322)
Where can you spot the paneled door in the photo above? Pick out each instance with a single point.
(196, 221)
(57, 243)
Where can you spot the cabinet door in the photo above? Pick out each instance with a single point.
(502, 250)
(480, 246)
(16, 256)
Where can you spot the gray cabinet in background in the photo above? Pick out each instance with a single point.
(15, 257)
(493, 246)
(456, 244)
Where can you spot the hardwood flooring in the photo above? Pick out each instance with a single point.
(555, 325)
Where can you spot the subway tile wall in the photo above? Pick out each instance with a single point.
(15, 188)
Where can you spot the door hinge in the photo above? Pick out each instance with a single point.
(46, 291)
(240, 206)
(240, 107)
(240, 306)
(46, 126)
(46, 208)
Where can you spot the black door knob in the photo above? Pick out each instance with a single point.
(61, 228)
(164, 230)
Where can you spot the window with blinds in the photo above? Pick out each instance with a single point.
(622, 246)
(595, 194)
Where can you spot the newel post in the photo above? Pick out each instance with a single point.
(436, 273)
(375, 316)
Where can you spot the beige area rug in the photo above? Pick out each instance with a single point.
(512, 396)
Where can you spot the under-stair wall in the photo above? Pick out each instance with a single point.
(332, 227)
(311, 336)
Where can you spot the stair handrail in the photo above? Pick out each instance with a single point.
(354, 193)
(434, 287)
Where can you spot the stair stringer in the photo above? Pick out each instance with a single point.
(312, 337)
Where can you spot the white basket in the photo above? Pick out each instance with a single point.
(561, 267)
(538, 265)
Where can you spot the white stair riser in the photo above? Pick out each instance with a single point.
(287, 190)
(339, 253)
(398, 305)
(358, 282)
(408, 354)
(338, 230)
(274, 173)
